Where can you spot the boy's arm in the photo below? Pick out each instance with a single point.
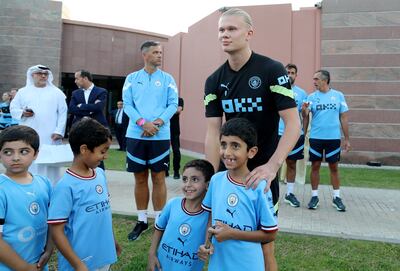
(44, 258)
(63, 245)
(206, 249)
(223, 232)
(11, 259)
(153, 260)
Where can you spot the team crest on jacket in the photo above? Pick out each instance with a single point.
(99, 189)
(184, 229)
(34, 208)
(157, 83)
(254, 82)
(233, 200)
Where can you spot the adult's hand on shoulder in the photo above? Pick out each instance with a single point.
(262, 173)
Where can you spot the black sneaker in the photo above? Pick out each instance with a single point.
(338, 204)
(137, 230)
(313, 204)
(292, 200)
(177, 176)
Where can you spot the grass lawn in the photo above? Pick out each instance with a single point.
(293, 252)
(356, 177)
(362, 177)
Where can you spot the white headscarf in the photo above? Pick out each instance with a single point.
(38, 68)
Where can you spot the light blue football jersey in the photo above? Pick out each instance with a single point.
(23, 216)
(243, 209)
(83, 203)
(184, 232)
(300, 96)
(326, 109)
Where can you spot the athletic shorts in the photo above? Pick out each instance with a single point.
(298, 151)
(328, 148)
(274, 184)
(147, 154)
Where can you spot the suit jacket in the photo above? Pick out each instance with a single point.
(125, 118)
(91, 109)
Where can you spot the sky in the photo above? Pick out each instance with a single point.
(167, 17)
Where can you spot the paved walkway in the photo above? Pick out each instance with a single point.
(372, 214)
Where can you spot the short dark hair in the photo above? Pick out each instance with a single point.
(241, 128)
(87, 74)
(147, 44)
(291, 66)
(88, 132)
(20, 133)
(325, 75)
(203, 166)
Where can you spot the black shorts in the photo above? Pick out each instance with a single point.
(328, 148)
(298, 151)
(147, 154)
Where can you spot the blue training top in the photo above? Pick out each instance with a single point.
(300, 96)
(149, 96)
(326, 109)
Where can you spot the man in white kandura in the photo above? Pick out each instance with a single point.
(41, 106)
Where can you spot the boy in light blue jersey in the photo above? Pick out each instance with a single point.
(329, 113)
(150, 99)
(300, 96)
(24, 201)
(179, 229)
(80, 212)
(242, 219)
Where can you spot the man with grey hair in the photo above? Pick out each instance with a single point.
(150, 99)
(329, 115)
(41, 106)
(257, 88)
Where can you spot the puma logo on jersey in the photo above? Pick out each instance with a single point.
(230, 212)
(182, 241)
(226, 87)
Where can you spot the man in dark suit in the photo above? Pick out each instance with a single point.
(120, 121)
(88, 100)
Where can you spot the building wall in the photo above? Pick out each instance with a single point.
(103, 49)
(360, 46)
(280, 33)
(30, 34)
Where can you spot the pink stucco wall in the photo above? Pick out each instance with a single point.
(280, 33)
